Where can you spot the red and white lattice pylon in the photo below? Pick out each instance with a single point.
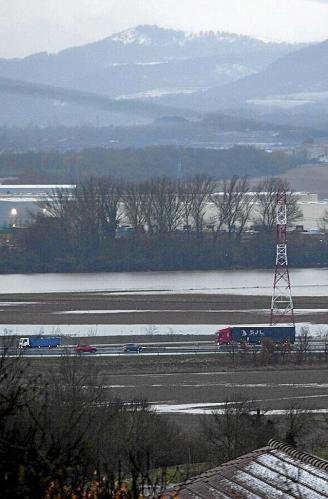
(282, 309)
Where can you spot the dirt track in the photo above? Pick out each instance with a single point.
(70, 308)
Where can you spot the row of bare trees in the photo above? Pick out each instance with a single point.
(163, 205)
(97, 206)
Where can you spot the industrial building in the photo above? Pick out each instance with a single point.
(18, 202)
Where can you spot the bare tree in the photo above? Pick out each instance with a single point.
(225, 430)
(12, 389)
(60, 207)
(268, 350)
(63, 435)
(146, 205)
(108, 196)
(186, 194)
(304, 345)
(85, 223)
(201, 187)
(58, 204)
(134, 198)
(323, 222)
(245, 212)
(234, 204)
(298, 423)
(266, 202)
(167, 207)
(77, 214)
(86, 215)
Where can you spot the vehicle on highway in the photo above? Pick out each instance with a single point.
(132, 348)
(39, 342)
(85, 348)
(254, 335)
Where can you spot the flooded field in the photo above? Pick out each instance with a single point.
(202, 392)
(97, 311)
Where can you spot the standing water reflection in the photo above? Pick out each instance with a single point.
(305, 282)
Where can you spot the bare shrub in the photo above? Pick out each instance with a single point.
(225, 429)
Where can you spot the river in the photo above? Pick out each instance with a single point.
(305, 282)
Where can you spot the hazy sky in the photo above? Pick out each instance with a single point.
(28, 26)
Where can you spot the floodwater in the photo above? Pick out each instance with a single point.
(305, 282)
(204, 391)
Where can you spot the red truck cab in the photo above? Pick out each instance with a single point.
(223, 336)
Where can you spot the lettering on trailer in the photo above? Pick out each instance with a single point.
(252, 332)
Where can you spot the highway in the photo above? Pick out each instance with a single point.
(117, 351)
(199, 348)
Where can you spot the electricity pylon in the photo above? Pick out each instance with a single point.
(282, 309)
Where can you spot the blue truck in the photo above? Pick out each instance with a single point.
(254, 335)
(39, 342)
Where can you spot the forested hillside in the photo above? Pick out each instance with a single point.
(141, 163)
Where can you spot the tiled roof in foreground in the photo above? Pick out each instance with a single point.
(275, 471)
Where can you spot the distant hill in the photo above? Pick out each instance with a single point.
(296, 79)
(156, 58)
(144, 62)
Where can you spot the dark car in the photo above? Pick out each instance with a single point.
(85, 348)
(132, 347)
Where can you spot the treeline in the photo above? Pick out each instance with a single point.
(165, 130)
(159, 224)
(137, 164)
(64, 433)
(45, 252)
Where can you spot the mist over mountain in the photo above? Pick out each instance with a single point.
(145, 62)
(148, 72)
(37, 100)
(292, 82)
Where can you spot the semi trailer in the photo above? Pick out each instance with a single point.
(39, 342)
(254, 335)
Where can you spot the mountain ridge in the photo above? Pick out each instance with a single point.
(301, 71)
(153, 34)
(163, 46)
(136, 64)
